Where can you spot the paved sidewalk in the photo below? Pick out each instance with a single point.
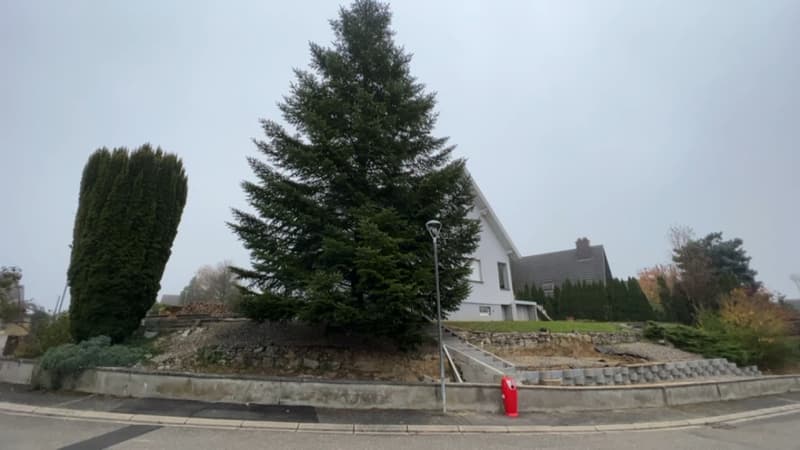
(23, 395)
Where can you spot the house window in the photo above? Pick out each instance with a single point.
(476, 275)
(485, 310)
(502, 275)
(549, 288)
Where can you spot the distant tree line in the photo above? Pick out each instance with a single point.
(618, 300)
(704, 271)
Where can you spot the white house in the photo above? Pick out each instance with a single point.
(492, 296)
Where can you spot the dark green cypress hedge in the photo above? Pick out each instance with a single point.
(618, 300)
(129, 208)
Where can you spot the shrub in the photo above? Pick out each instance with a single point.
(746, 331)
(758, 324)
(700, 341)
(71, 359)
(755, 313)
(47, 331)
(209, 356)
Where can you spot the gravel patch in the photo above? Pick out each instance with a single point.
(649, 351)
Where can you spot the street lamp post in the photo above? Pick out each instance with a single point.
(434, 226)
(60, 303)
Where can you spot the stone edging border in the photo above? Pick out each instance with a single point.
(302, 427)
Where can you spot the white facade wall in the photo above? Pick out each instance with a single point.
(487, 292)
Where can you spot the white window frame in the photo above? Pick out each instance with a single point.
(484, 310)
(502, 276)
(475, 261)
(549, 288)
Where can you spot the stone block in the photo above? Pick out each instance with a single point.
(531, 378)
(576, 373)
(552, 374)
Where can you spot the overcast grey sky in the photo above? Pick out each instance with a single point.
(606, 119)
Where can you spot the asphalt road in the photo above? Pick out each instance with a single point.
(28, 432)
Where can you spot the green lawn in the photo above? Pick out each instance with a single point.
(557, 326)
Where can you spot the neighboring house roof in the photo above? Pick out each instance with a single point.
(794, 303)
(171, 300)
(14, 329)
(485, 209)
(583, 263)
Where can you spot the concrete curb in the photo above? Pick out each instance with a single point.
(303, 427)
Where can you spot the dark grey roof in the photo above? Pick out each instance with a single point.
(795, 303)
(558, 267)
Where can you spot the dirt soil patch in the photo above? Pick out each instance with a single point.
(243, 347)
(581, 354)
(586, 354)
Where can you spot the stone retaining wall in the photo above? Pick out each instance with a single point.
(165, 323)
(545, 338)
(637, 373)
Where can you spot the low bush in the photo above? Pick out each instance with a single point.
(47, 331)
(71, 359)
(717, 336)
(208, 356)
(758, 324)
(700, 341)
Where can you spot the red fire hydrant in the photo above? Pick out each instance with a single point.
(509, 390)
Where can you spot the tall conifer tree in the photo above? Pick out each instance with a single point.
(337, 232)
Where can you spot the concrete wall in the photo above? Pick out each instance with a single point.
(473, 370)
(546, 399)
(461, 397)
(17, 371)
(366, 395)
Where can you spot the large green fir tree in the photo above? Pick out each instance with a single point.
(128, 213)
(337, 233)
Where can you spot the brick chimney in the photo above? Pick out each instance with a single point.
(583, 248)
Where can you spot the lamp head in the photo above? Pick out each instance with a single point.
(433, 226)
